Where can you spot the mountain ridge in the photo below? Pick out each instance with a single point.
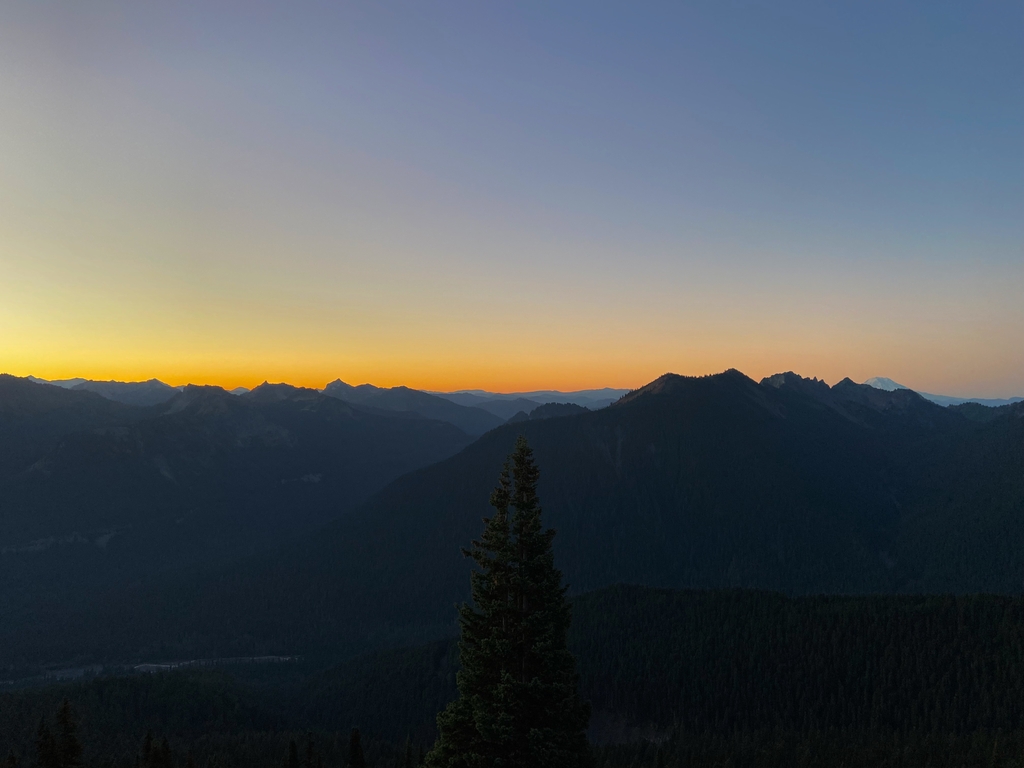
(472, 421)
(689, 482)
(883, 383)
(99, 495)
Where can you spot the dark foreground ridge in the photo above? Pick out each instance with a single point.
(720, 678)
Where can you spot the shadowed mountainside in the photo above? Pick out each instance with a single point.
(549, 411)
(152, 392)
(100, 495)
(472, 421)
(507, 405)
(717, 481)
(880, 382)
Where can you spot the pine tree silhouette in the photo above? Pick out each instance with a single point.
(46, 747)
(147, 751)
(68, 747)
(517, 706)
(355, 750)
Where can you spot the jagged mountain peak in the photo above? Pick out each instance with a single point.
(268, 393)
(205, 397)
(880, 399)
(815, 387)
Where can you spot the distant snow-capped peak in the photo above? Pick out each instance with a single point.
(880, 382)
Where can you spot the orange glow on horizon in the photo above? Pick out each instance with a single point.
(243, 205)
(472, 377)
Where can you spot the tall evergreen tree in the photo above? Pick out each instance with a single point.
(147, 750)
(68, 747)
(46, 748)
(355, 750)
(517, 706)
(293, 754)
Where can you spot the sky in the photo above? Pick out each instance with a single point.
(513, 196)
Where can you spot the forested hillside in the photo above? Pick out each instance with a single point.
(97, 495)
(728, 677)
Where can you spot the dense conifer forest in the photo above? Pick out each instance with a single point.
(674, 678)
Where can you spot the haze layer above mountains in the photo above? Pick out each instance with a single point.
(290, 521)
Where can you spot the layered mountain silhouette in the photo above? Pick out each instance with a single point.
(880, 382)
(473, 412)
(98, 494)
(508, 405)
(506, 408)
(719, 481)
(549, 411)
(152, 392)
(472, 421)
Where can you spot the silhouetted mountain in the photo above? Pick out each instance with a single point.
(143, 393)
(717, 481)
(33, 415)
(555, 410)
(880, 382)
(152, 392)
(98, 494)
(590, 398)
(472, 421)
(548, 411)
(505, 409)
(864, 404)
(62, 383)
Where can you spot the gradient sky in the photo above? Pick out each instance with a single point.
(513, 195)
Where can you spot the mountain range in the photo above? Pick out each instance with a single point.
(880, 382)
(502, 405)
(507, 405)
(98, 495)
(472, 421)
(689, 482)
(435, 405)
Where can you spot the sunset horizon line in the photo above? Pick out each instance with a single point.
(252, 382)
